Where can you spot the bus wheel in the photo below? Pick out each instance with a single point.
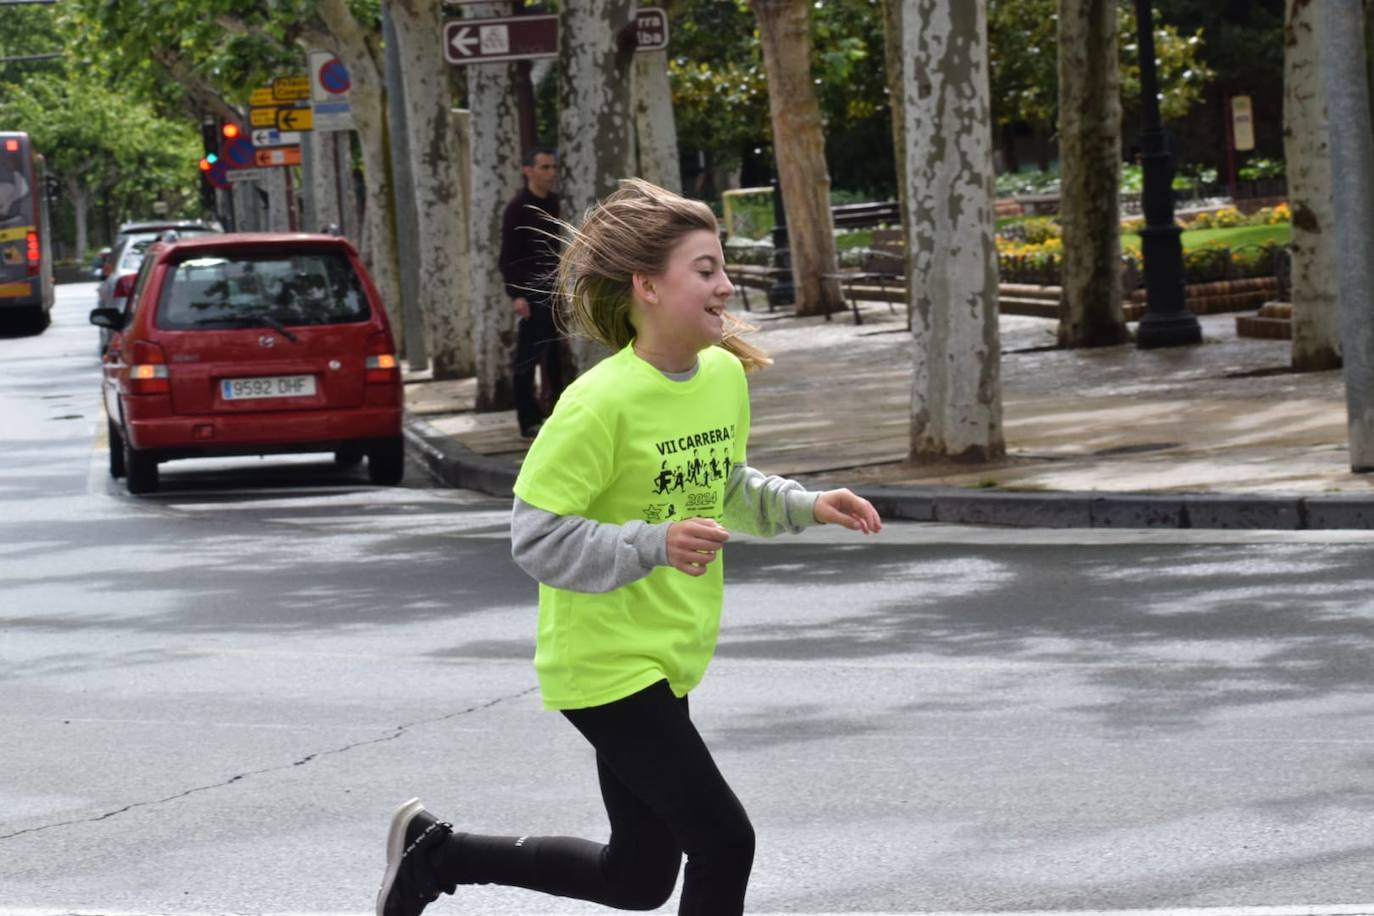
(38, 320)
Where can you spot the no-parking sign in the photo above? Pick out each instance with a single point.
(329, 87)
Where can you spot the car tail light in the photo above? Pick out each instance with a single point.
(34, 256)
(148, 369)
(382, 366)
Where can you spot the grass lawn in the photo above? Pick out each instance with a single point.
(1233, 238)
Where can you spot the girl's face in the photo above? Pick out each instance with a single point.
(682, 307)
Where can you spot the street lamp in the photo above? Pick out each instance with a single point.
(1167, 321)
(782, 291)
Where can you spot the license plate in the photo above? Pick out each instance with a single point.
(271, 386)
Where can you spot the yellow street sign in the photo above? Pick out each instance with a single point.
(262, 97)
(291, 88)
(295, 118)
(262, 117)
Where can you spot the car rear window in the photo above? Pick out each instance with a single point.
(212, 291)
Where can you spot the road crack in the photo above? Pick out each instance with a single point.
(396, 733)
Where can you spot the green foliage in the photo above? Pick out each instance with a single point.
(1260, 168)
(715, 67)
(229, 45)
(1024, 51)
(720, 88)
(1011, 184)
(105, 142)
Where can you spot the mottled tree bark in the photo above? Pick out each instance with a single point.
(496, 151)
(1316, 317)
(1344, 60)
(358, 47)
(1090, 313)
(437, 163)
(655, 128)
(956, 402)
(596, 143)
(799, 150)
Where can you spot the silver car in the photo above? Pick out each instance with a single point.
(127, 257)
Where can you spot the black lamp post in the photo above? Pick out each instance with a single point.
(1167, 321)
(783, 291)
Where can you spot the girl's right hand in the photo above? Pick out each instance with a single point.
(693, 543)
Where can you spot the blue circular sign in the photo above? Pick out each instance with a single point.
(218, 175)
(240, 152)
(334, 77)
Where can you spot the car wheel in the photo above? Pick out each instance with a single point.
(386, 462)
(140, 470)
(116, 452)
(349, 457)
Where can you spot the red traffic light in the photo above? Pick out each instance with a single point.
(230, 131)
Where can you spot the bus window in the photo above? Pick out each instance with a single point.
(14, 193)
(26, 282)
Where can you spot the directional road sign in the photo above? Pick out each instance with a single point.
(270, 136)
(287, 116)
(651, 29)
(262, 97)
(492, 40)
(279, 155)
(489, 41)
(290, 88)
(294, 119)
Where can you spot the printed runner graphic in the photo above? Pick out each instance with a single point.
(691, 470)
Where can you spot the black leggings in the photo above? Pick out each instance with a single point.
(664, 796)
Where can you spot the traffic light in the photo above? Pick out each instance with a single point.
(211, 169)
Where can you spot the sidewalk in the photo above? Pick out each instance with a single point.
(1220, 435)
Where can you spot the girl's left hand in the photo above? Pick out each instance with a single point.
(842, 507)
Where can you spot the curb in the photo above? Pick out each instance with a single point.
(455, 465)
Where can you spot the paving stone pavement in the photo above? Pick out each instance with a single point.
(1217, 435)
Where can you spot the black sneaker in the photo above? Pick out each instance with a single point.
(410, 883)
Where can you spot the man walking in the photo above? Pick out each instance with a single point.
(528, 261)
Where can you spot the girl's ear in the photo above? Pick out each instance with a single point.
(644, 288)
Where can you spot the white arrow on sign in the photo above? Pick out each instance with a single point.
(463, 42)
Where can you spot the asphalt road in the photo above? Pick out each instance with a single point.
(210, 700)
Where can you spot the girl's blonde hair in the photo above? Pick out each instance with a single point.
(631, 232)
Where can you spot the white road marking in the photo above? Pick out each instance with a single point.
(1354, 909)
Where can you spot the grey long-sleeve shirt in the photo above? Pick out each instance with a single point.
(581, 555)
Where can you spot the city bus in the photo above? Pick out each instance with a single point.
(26, 269)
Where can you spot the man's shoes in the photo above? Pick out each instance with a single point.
(410, 883)
(529, 432)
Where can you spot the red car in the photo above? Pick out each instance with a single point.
(251, 344)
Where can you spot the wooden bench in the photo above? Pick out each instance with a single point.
(755, 276)
(882, 276)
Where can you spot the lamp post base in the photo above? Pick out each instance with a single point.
(1178, 329)
(782, 292)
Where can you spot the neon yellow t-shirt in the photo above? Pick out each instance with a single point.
(627, 443)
